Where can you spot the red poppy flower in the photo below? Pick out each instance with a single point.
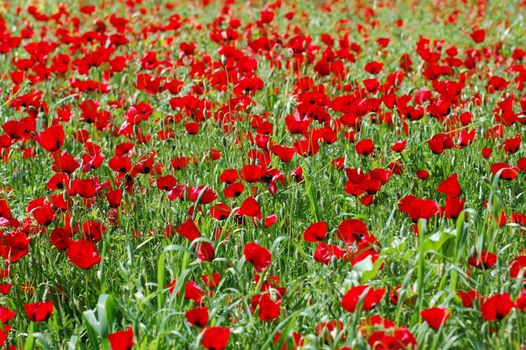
(6, 314)
(220, 211)
(355, 189)
(257, 256)
(352, 230)
(178, 192)
(189, 230)
(316, 232)
(61, 238)
(5, 211)
(418, 208)
(3, 334)
(5, 288)
(248, 85)
(125, 149)
(486, 152)
(519, 218)
(440, 142)
(399, 146)
(270, 220)
(197, 316)
(297, 174)
(307, 147)
(268, 309)
(375, 321)
(252, 173)
(229, 176)
(284, 153)
(180, 163)
(14, 129)
(83, 254)
(39, 311)
(92, 231)
(453, 207)
(114, 198)
(400, 338)
(215, 338)
(371, 299)
(192, 128)
(450, 186)
(58, 181)
(266, 16)
(212, 280)
(521, 164)
(86, 188)
(52, 138)
(324, 252)
(250, 207)
(193, 292)
(234, 190)
(91, 162)
(44, 215)
(486, 260)
(166, 183)
(204, 194)
(469, 297)
(121, 340)
(64, 162)
(496, 307)
(371, 84)
(367, 199)
(296, 124)
(435, 317)
(512, 145)
(120, 164)
(171, 286)
(507, 172)
(373, 67)
(478, 35)
(15, 245)
(406, 63)
(206, 252)
(365, 147)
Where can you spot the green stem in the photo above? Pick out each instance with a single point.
(30, 342)
(458, 239)
(436, 341)
(421, 265)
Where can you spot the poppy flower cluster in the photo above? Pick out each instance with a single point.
(229, 174)
(358, 242)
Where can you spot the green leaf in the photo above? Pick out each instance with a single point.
(106, 314)
(42, 341)
(435, 241)
(367, 269)
(73, 342)
(92, 328)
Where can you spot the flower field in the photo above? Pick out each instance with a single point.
(262, 174)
